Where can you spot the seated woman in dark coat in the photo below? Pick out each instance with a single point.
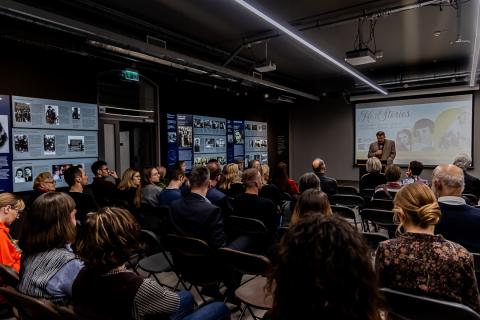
(374, 177)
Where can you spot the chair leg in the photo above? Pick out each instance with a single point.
(243, 312)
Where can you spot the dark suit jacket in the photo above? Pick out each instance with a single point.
(472, 184)
(252, 206)
(327, 184)
(104, 191)
(219, 199)
(389, 151)
(194, 216)
(372, 180)
(460, 224)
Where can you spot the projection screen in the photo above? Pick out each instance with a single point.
(430, 130)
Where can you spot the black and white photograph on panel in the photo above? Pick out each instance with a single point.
(196, 145)
(185, 139)
(58, 171)
(76, 143)
(172, 137)
(75, 113)
(28, 174)
(51, 114)
(49, 144)
(22, 112)
(4, 144)
(21, 142)
(19, 175)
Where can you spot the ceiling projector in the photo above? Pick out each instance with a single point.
(361, 56)
(266, 67)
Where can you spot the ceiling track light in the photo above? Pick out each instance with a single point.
(310, 46)
(476, 46)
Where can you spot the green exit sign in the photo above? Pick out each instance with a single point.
(130, 75)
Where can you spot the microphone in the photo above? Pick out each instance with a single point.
(380, 146)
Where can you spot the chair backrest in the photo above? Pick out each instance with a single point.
(245, 226)
(245, 263)
(280, 232)
(9, 276)
(196, 262)
(373, 239)
(347, 190)
(68, 314)
(381, 217)
(151, 242)
(344, 212)
(367, 193)
(384, 204)
(412, 307)
(30, 307)
(348, 200)
(471, 199)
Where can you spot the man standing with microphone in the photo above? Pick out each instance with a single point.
(383, 149)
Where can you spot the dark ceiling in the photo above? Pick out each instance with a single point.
(417, 41)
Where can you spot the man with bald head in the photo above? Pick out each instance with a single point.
(460, 222)
(327, 184)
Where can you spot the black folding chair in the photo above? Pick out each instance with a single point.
(255, 230)
(380, 218)
(347, 190)
(345, 212)
(476, 264)
(9, 276)
(347, 200)
(471, 199)
(373, 239)
(405, 306)
(29, 307)
(383, 204)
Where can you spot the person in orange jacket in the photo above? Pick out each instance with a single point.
(10, 208)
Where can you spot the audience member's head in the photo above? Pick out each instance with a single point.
(48, 224)
(279, 176)
(323, 271)
(318, 166)
(392, 173)
(181, 165)
(311, 201)
(162, 172)
(150, 176)
(215, 170)
(44, 182)
(374, 165)
(415, 206)
(415, 168)
(380, 137)
(230, 175)
(131, 178)
(307, 181)
(108, 239)
(266, 173)
(11, 206)
(448, 180)
(99, 169)
(75, 175)
(254, 164)
(252, 180)
(463, 161)
(199, 179)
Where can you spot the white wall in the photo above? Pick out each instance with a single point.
(325, 129)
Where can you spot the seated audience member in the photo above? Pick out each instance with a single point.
(194, 216)
(388, 190)
(49, 267)
(266, 173)
(214, 195)
(374, 177)
(420, 262)
(459, 222)
(182, 166)
(172, 191)
(327, 184)
(251, 205)
(281, 189)
(43, 183)
(230, 182)
(11, 207)
(311, 201)
(76, 178)
(307, 181)
(472, 184)
(105, 289)
(130, 190)
(150, 188)
(162, 172)
(104, 191)
(323, 271)
(414, 170)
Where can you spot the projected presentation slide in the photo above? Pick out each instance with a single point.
(431, 130)
(29, 144)
(25, 171)
(209, 139)
(53, 114)
(256, 143)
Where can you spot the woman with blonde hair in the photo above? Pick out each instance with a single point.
(266, 173)
(131, 190)
(230, 182)
(10, 208)
(43, 183)
(420, 262)
(311, 201)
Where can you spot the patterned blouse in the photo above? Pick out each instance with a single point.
(429, 265)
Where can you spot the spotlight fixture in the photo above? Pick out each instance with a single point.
(307, 44)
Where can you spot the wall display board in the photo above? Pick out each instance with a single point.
(235, 140)
(5, 151)
(256, 143)
(185, 139)
(51, 135)
(209, 139)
